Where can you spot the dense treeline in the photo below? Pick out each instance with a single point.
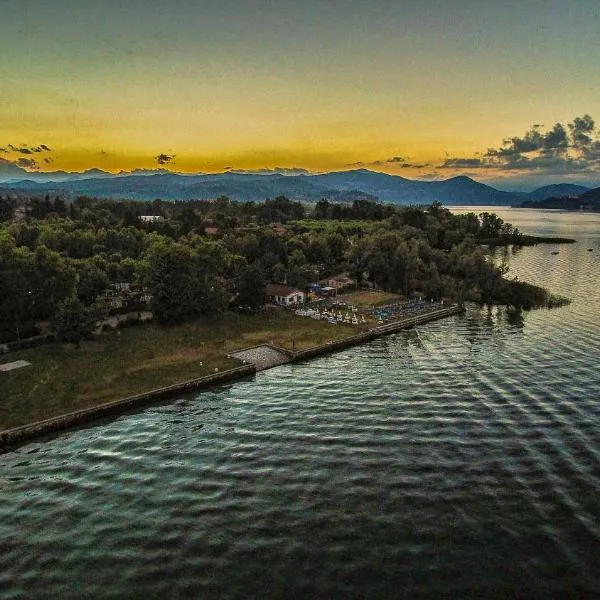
(60, 259)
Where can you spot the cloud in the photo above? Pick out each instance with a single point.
(556, 139)
(402, 162)
(592, 151)
(164, 159)
(27, 163)
(415, 165)
(532, 140)
(430, 175)
(560, 149)
(582, 129)
(461, 163)
(273, 171)
(25, 149)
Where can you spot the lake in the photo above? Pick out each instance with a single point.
(457, 459)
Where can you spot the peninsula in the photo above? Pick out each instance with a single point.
(139, 296)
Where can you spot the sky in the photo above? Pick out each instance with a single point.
(425, 89)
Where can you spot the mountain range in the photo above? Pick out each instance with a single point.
(245, 186)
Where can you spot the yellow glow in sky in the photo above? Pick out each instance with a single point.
(257, 84)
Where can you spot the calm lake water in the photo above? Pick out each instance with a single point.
(457, 459)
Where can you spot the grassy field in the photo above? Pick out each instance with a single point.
(368, 298)
(131, 361)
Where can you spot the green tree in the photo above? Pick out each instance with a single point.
(251, 287)
(91, 282)
(187, 281)
(174, 283)
(74, 322)
(7, 209)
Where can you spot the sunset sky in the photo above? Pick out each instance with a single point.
(402, 87)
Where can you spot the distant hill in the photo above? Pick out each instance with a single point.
(174, 186)
(464, 190)
(399, 190)
(591, 195)
(557, 190)
(589, 200)
(11, 174)
(10, 171)
(343, 186)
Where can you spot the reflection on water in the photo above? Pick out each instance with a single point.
(458, 459)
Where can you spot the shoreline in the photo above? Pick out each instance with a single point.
(528, 240)
(11, 438)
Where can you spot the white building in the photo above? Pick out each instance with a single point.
(284, 295)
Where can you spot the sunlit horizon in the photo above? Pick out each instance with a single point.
(422, 90)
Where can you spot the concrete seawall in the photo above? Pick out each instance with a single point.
(376, 332)
(19, 435)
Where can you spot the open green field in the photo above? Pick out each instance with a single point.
(369, 298)
(138, 359)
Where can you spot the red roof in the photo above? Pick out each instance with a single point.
(277, 289)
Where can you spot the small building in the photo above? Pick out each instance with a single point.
(320, 290)
(284, 295)
(150, 218)
(338, 281)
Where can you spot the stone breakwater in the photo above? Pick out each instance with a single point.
(258, 358)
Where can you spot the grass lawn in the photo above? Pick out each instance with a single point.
(138, 359)
(369, 298)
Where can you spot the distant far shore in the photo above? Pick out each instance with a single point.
(530, 240)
